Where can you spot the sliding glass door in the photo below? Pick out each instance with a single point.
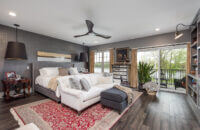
(169, 64)
(172, 67)
(151, 57)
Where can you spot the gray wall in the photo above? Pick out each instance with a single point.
(157, 40)
(34, 42)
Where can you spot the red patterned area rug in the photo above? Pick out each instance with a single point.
(47, 115)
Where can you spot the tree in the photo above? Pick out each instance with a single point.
(173, 59)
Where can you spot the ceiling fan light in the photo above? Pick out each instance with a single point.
(178, 35)
(92, 34)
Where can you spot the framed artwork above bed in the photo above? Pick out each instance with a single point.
(53, 57)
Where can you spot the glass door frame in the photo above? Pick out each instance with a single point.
(159, 55)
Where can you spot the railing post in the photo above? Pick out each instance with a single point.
(159, 55)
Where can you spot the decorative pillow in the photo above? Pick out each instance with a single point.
(85, 84)
(49, 71)
(63, 71)
(105, 80)
(94, 78)
(42, 72)
(75, 83)
(73, 71)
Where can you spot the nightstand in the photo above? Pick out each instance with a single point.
(7, 84)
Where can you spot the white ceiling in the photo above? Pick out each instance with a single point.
(122, 19)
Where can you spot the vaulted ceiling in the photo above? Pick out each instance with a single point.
(122, 19)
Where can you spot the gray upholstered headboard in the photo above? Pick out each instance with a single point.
(41, 64)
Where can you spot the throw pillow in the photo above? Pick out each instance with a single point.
(85, 84)
(105, 80)
(49, 71)
(63, 71)
(73, 71)
(75, 83)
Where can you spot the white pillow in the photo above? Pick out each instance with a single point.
(64, 81)
(105, 80)
(49, 71)
(94, 79)
(73, 71)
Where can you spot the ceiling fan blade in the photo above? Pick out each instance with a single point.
(101, 35)
(90, 25)
(76, 36)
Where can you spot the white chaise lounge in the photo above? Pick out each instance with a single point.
(80, 99)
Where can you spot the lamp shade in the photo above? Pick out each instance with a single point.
(16, 51)
(83, 57)
(76, 58)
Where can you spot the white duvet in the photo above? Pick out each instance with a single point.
(44, 81)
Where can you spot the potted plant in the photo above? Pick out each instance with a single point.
(145, 71)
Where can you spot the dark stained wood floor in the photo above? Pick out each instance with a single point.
(166, 111)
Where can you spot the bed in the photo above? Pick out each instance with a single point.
(40, 82)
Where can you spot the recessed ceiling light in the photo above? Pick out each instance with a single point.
(157, 29)
(12, 14)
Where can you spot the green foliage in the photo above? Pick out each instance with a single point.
(145, 71)
(173, 59)
(169, 58)
(98, 65)
(106, 65)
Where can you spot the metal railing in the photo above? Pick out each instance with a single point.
(168, 76)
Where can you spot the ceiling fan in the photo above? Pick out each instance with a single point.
(90, 26)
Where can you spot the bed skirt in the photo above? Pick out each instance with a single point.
(47, 92)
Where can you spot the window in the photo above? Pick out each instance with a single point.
(98, 62)
(102, 61)
(106, 61)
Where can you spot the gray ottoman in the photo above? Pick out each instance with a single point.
(115, 99)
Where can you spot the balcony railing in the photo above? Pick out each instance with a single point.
(168, 77)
